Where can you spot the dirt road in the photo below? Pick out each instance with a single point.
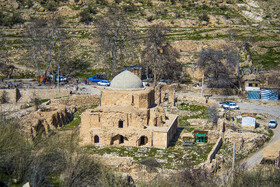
(256, 157)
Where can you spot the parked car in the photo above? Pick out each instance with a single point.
(230, 105)
(61, 78)
(272, 124)
(97, 78)
(225, 103)
(103, 83)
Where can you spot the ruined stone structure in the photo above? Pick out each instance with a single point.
(128, 116)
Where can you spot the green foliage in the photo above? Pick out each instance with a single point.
(269, 59)
(271, 133)
(86, 14)
(51, 5)
(44, 160)
(198, 111)
(204, 17)
(9, 20)
(150, 18)
(151, 164)
(130, 7)
(260, 177)
(4, 98)
(102, 2)
(77, 119)
(43, 101)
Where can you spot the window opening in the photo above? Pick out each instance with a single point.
(120, 124)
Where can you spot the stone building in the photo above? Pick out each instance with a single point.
(128, 116)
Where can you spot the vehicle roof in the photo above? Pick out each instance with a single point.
(273, 120)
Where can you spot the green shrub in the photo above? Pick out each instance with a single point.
(7, 20)
(48, 160)
(150, 18)
(51, 5)
(4, 98)
(204, 17)
(151, 164)
(86, 16)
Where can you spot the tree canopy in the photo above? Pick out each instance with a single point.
(158, 57)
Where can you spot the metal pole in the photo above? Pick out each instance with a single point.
(233, 159)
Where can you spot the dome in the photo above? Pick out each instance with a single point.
(126, 80)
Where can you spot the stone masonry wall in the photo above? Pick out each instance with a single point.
(26, 96)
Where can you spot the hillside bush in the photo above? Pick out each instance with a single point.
(204, 17)
(49, 160)
(86, 14)
(10, 19)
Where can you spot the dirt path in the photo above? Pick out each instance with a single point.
(256, 157)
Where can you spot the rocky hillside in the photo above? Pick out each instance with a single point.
(194, 25)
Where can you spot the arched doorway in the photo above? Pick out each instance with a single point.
(118, 139)
(143, 140)
(96, 139)
(121, 139)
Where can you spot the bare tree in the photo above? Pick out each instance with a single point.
(246, 45)
(5, 67)
(218, 67)
(273, 80)
(158, 56)
(34, 31)
(114, 35)
(46, 42)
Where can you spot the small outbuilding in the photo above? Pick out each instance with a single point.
(248, 120)
(200, 136)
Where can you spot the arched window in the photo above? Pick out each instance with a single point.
(96, 139)
(120, 124)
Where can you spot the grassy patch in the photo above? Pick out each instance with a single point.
(270, 133)
(269, 59)
(77, 119)
(169, 158)
(44, 100)
(197, 111)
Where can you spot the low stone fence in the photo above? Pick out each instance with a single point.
(190, 97)
(27, 95)
(79, 101)
(215, 149)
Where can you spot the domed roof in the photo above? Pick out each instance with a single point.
(126, 80)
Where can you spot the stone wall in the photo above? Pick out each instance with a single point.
(194, 98)
(172, 130)
(272, 151)
(143, 98)
(79, 101)
(27, 95)
(165, 93)
(45, 119)
(215, 149)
